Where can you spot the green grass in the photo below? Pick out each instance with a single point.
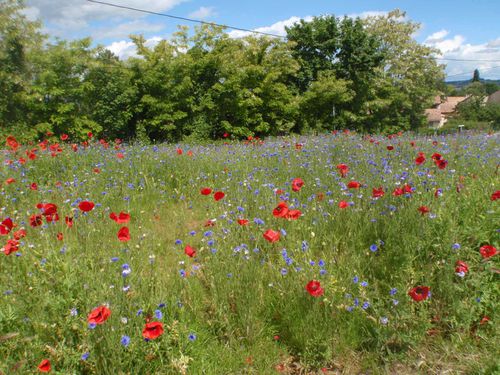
(247, 307)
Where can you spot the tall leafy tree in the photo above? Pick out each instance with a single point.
(19, 39)
(409, 77)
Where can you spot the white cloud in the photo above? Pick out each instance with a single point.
(454, 47)
(203, 13)
(125, 49)
(277, 28)
(72, 16)
(125, 29)
(369, 13)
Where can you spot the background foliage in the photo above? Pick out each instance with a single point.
(330, 73)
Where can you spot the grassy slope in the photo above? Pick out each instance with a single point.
(242, 297)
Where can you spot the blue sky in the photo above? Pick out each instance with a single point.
(460, 29)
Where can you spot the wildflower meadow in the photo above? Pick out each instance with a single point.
(329, 254)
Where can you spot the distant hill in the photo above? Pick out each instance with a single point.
(460, 84)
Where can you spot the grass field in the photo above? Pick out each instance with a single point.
(362, 279)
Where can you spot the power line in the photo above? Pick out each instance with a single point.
(240, 28)
(471, 60)
(184, 18)
(461, 74)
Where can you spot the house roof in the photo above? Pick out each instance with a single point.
(433, 114)
(437, 100)
(494, 98)
(448, 106)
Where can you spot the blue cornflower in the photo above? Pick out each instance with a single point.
(321, 263)
(355, 279)
(192, 337)
(366, 305)
(364, 283)
(393, 291)
(373, 248)
(85, 356)
(178, 242)
(455, 246)
(125, 341)
(158, 314)
(92, 325)
(284, 271)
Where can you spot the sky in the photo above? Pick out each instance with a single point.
(460, 29)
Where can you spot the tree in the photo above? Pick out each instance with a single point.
(475, 77)
(19, 40)
(342, 46)
(409, 77)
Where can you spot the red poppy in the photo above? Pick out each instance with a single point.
(271, 235)
(407, 189)
(487, 251)
(44, 366)
(419, 293)
(298, 146)
(179, 151)
(22, 161)
(190, 153)
(12, 143)
(397, 192)
(378, 193)
(36, 220)
(225, 135)
(424, 210)
(6, 226)
(278, 192)
(90, 135)
(243, 222)
(297, 184)
(64, 137)
(314, 288)
(353, 185)
(10, 180)
(152, 330)
(435, 156)
(441, 164)
(461, 267)
(99, 315)
(189, 251)
(10, 247)
(484, 320)
(121, 218)
(495, 195)
(343, 204)
(123, 234)
(390, 148)
(19, 234)
(86, 206)
(210, 223)
(34, 186)
(219, 195)
(343, 169)
(120, 155)
(293, 214)
(281, 210)
(69, 221)
(206, 191)
(60, 236)
(420, 158)
(48, 209)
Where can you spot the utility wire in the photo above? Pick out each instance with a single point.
(461, 74)
(184, 18)
(471, 60)
(240, 28)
